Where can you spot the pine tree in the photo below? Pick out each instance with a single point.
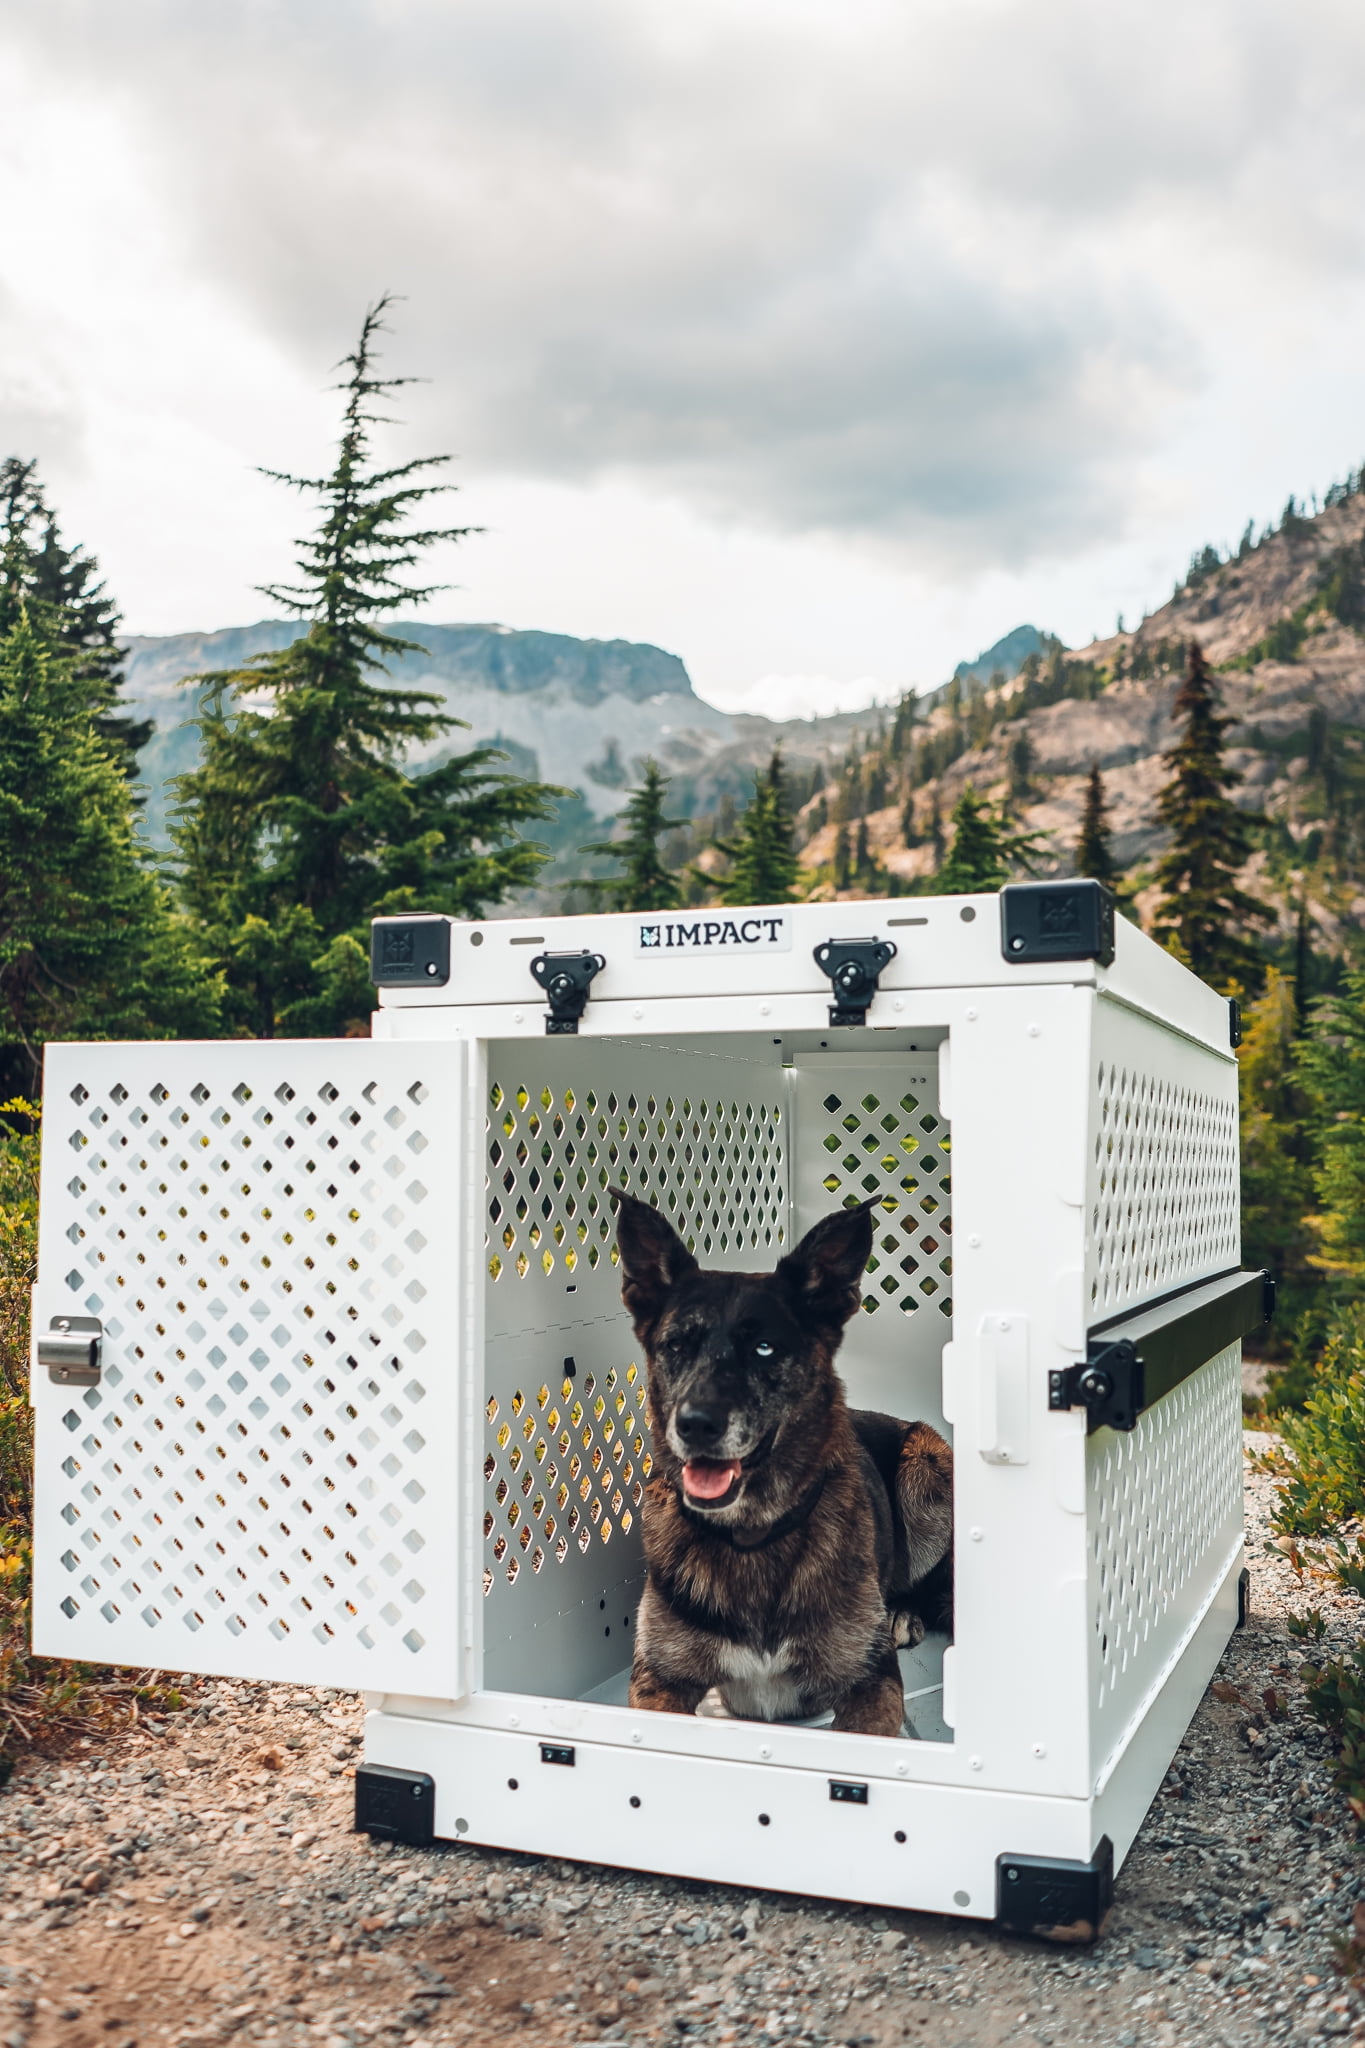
(89, 943)
(644, 881)
(301, 823)
(1093, 856)
(1331, 1067)
(937, 842)
(985, 850)
(1204, 916)
(1020, 763)
(762, 858)
(59, 590)
(843, 865)
(1277, 1188)
(903, 725)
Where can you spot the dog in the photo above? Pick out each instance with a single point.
(791, 1543)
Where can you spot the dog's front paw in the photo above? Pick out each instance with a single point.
(907, 1629)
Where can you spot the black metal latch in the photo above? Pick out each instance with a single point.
(853, 967)
(1108, 1385)
(566, 979)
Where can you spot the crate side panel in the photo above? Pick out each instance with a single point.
(869, 1125)
(1163, 1171)
(263, 1482)
(565, 1464)
(1163, 1515)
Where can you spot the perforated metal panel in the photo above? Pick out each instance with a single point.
(263, 1482)
(699, 1131)
(1163, 1171)
(565, 1464)
(868, 1124)
(1164, 1514)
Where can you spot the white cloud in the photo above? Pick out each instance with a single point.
(885, 316)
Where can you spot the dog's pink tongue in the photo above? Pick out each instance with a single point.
(707, 1481)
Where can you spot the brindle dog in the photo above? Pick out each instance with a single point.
(791, 1543)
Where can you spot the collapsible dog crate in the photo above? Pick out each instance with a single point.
(333, 1383)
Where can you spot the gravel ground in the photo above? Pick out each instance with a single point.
(196, 1881)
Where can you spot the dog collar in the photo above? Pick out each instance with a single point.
(795, 1518)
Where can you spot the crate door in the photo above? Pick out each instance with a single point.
(262, 1483)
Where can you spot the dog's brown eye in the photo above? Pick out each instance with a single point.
(763, 1351)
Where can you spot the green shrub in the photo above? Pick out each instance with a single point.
(1326, 1485)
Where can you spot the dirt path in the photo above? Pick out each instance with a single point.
(199, 1883)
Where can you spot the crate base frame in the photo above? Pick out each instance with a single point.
(930, 1848)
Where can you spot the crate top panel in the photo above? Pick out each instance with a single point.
(942, 942)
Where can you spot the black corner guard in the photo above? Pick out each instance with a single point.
(1131, 1362)
(410, 952)
(1057, 921)
(567, 980)
(1054, 1898)
(395, 1806)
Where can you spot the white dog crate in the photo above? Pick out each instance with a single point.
(333, 1383)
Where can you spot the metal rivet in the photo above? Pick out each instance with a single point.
(974, 1241)
(514, 1720)
(971, 1016)
(636, 1736)
(1039, 1750)
(898, 1004)
(637, 1014)
(976, 1535)
(1034, 1030)
(517, 1016)
(974, 1762)
(764, 1751)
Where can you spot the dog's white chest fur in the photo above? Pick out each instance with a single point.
(759, 1684)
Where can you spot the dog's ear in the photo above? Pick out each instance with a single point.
(653, 1259)
(824, 1273)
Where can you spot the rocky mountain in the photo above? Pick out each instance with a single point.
(570, 710)
(580, 712)
(1282, 620)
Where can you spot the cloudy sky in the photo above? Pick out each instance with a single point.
(819, 341)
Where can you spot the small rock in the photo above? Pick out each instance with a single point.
(94, 1881)
(1146, 1958)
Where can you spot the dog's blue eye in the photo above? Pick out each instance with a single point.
(763, 1350)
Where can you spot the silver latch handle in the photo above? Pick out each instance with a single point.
(70, 1349)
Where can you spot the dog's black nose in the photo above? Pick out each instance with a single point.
(700, 1427)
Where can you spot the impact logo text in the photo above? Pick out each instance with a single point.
(759, 932)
